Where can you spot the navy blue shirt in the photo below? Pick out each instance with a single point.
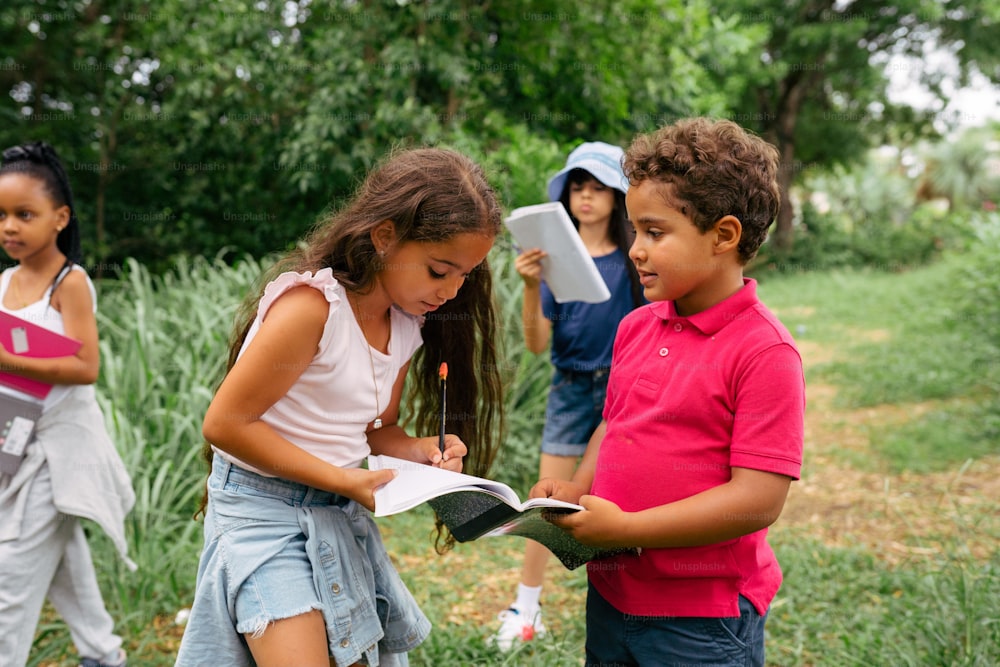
(583, 334)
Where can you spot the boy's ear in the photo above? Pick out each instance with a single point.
(728, 232)
(384, 235)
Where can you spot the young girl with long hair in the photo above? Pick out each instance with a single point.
(293, 569)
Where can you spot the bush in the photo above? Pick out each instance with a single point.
(824, 241)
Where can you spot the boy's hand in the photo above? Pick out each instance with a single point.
(601, 523)
(559, 489)
(529, 265)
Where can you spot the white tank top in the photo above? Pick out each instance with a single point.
(44, 315)
(329, 407)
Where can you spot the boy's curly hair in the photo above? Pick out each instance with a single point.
(714, 168)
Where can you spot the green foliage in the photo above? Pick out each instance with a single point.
(876, 214)
(818, 90)
(189, 128)
(961, 170)
(530, 376)
(976, 295)
(828, 241)
(163, 343)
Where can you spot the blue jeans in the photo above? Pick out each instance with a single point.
(618, 639)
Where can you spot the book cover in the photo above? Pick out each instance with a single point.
(27, 339)
(569, 270)
(472, 507)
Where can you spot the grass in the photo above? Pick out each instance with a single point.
(844, 607)
(901, 340)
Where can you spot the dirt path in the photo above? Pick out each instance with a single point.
(896, 516)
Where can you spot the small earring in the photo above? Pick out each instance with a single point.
(381, 253)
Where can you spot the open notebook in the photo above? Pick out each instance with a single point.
(473, 507)
(569, 270)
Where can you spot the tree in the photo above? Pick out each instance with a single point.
(194, 127)
(818, 88)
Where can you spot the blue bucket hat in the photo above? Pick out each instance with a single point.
(602, 161)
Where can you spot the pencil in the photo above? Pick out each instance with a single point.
(443, 374)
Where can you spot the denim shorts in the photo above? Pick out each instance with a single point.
(574, 410)
(276, 549)
(615, 638)
(282, 586)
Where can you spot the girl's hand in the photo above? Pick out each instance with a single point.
(601, 523)
(360, 484)
(428, 451)
(529, 265)
(8, 361)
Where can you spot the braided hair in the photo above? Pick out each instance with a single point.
(40, 161)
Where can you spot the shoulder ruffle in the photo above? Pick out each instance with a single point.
(322, 280)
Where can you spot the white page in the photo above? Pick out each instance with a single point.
(417, 483)
(569, 270)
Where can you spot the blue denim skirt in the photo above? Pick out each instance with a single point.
(574, 410)
(276, 549)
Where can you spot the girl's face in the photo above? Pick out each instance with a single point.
(419, 277)
(29, 220)
(591, 202)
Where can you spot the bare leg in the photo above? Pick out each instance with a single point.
(535, 555)
(299, 641)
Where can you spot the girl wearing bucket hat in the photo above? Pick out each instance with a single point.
(592, 188)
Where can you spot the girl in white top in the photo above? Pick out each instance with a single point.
(293, 570)
(71, 468)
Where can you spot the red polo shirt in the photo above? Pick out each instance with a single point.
(689, 398)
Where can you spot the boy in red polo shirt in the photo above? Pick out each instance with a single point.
(703, 422)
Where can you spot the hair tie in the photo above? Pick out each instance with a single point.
(32, 152)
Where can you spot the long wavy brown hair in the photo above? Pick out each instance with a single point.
(430, 195)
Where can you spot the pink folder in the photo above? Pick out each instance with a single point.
(27, 339)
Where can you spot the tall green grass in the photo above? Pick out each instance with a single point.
(163, 351)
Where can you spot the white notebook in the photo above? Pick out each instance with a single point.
(17, 428)
(569, 270)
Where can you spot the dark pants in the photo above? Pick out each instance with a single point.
(615, 639)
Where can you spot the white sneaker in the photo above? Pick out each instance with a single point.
(516, 625)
